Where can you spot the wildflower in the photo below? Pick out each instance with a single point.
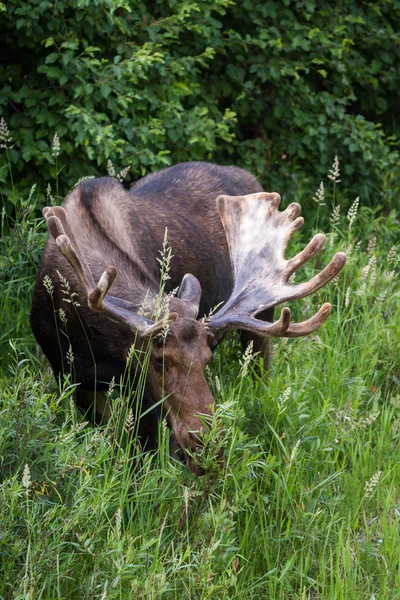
(371, 484)
(5, 137)
(334, 173)
(56, 148)
(320, 195)
(352, 214)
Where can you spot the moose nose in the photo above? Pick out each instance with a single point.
(193, 466)
(194, 443)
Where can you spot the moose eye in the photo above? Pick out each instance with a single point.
(160, 364)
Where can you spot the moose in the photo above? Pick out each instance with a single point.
(228, 240)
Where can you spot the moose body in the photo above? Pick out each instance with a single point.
(103, 233)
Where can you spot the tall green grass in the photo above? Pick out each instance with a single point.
(308, 503)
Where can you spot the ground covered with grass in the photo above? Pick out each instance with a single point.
(308, 503)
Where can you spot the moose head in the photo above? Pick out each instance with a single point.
(257, 235)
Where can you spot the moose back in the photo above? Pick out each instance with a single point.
(98, 286)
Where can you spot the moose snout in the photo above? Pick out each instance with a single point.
(191, 442)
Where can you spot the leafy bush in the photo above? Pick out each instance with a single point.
(279, 88)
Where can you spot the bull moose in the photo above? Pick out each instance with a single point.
(228, 241)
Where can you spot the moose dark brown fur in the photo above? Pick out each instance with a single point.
(228, 241)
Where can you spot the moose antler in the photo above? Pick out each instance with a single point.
(258, 235)
(57, 223)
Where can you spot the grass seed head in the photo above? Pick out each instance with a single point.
(371, 484)
(335, 216)
(352, 213)
(130, 421)
(246, 359)
(110, 168)
(48, 285)
(320, 195)
(26, 479)
(347, 297)
(56, 147)
(334, 172)
(5, 137)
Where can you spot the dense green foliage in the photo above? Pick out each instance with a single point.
(276, 87)
(307, 505)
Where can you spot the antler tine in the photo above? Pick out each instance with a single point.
(96, 296)
(302, 290)
(306, 327)
(311, 250)
(263, 328)
(57, 223)
(96, 293)
(257, 235)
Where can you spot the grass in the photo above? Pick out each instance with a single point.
(308, 504)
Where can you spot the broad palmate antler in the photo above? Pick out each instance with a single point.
(258, 235)
(113, 308)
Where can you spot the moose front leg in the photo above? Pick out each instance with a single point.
(94, 404)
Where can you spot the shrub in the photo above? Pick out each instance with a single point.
(279, 88)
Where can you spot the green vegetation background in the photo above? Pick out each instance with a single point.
(307, 506)
(278, 87)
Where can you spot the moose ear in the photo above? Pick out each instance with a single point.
(190, 292)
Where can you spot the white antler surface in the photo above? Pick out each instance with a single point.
(257, 235)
